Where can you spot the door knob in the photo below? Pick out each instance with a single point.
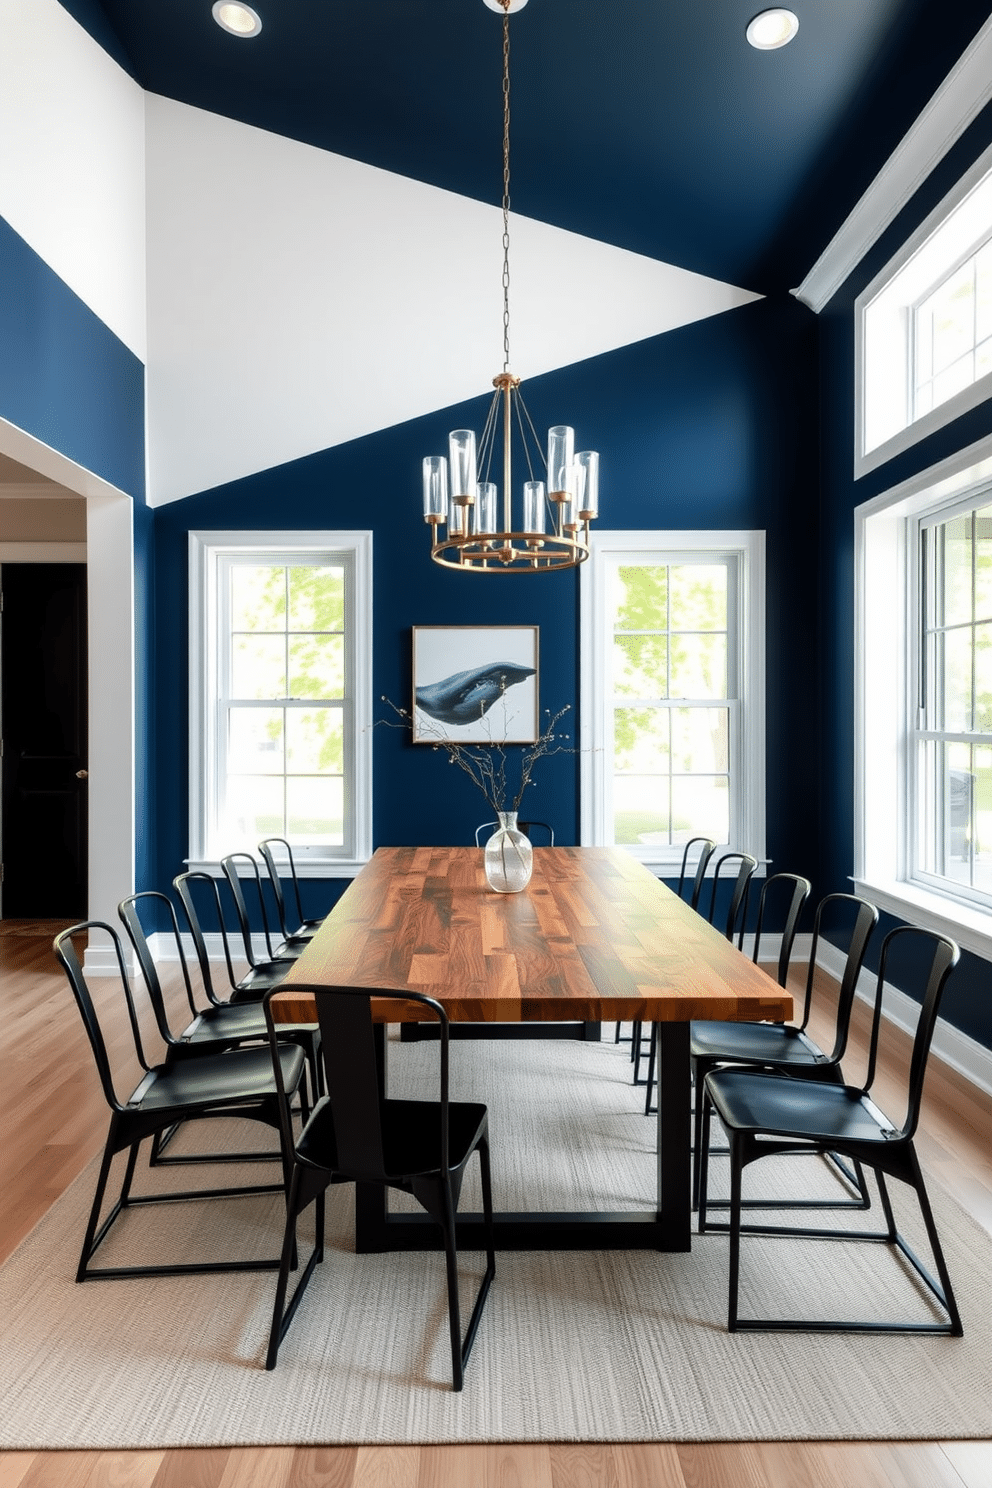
(82, 774)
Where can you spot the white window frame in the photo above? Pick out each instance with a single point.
(886, 621)
(206, 550)
(884, 352)
(747, 762)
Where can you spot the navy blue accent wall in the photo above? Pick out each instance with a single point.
(967, 1004)
(712, 426)
(64, 377)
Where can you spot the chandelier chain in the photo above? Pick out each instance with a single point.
(506, 191)
(467, 530)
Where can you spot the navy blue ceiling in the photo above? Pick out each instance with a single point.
(650, 124)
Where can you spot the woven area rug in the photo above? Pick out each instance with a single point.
(588, 1347)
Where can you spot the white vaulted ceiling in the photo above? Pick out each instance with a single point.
(298, 299)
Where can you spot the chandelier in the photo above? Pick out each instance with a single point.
(560, 496)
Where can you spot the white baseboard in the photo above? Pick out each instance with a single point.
(163, 946)
(101, 960)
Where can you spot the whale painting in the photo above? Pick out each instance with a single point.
(475, 684)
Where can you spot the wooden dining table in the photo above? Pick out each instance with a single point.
(595, 937)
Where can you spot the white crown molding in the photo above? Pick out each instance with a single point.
(959, 99)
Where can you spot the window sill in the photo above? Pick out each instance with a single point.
(307, 868)
(672, 867)
(970, 927)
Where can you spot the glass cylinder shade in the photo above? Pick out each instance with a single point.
(587, 483)
(461, 452)
(533, 506)
(485, 507)
(561, 444)
(435, 487)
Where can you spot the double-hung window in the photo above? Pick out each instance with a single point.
(923, 722)
(280, 631)
(923, 326)
(952, 730)
(672, 694)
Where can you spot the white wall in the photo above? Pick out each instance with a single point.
(298, 299)
(72, 161)
(111, 784)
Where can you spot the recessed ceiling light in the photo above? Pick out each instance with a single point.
(772, 29)
(239, 20)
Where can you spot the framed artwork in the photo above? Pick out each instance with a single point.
(475, 684)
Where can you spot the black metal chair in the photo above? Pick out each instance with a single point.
(305, 929)
(239, 1083)
(241, 867)
(737, 904)
(219, 1025)
(527, 827)
(706, 850)
(764, 1114)
(356, 1134)
(785, 1048)
(256, 981)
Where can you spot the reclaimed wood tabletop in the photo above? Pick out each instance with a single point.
(594, 936)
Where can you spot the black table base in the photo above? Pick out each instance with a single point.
(668, 1228)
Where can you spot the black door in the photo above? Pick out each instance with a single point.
(43, 719)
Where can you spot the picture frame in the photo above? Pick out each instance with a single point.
(475, 684)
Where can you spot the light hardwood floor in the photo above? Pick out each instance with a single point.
(53, 1123)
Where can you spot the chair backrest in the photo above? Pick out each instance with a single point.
(486, 829)
(65, 952)
(706, 850)
(183, 885)
(843, 920)
(265, 848)
(926, 959)
(353, 1073)
(238, 868)
(737, 908)
(128, 909)
(773, 889)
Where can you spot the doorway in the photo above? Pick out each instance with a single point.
(43, 715)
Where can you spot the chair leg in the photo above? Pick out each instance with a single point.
(451, 1270)
(160, 1142)
(635, 1049)
(703, 1154)
(946, 1293)
(281, 1319)
(439, 1201)
(649, 1110)
(699, 1152)
(91, 1239)
(941, 1289)
(483, 1292)
(733, 1280)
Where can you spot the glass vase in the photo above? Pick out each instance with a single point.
(509, 857)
